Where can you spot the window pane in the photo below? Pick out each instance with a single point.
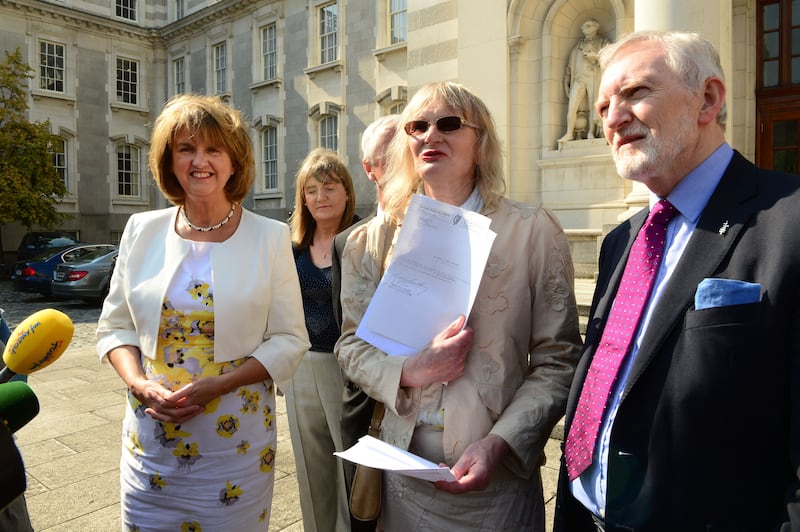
(772, 45)
(127, 170)
(785, 133)
(127, 80)
(796, 41)
(795, 12)
(397, 13)
(771, 74)
(59, 153)
(180, 86)
(126, 9)
(328, 38)
(785, 160)
(269, 50)
(795, 70)
(328, 133)
(772, 17)
(220, 68)
(270, 140)
(51, 66)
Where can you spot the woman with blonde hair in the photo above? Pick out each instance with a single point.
(508, 365)
(203, 319)
(324, 205)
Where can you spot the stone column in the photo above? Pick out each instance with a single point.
(713, 19)
(710, 18)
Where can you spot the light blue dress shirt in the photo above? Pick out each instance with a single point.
(689, 197)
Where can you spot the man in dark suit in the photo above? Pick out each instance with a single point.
(374, 142)
(357, 406)
(701, 430)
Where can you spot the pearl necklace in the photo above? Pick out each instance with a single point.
(209, 227)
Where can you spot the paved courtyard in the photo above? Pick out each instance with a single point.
(72, 448)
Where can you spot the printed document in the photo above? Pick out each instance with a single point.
(433, 277)
(377, 454)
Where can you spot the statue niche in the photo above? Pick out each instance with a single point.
(581, 81)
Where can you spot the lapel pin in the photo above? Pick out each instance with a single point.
(724, 228)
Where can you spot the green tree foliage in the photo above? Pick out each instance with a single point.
(30, 186)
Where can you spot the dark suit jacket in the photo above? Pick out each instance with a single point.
(707, 436)
(356, 405)
(336, 267)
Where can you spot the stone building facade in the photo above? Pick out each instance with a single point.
(313, 73)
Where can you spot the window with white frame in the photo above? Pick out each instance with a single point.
(51, 66)
(179, 9)
(328, 33)
(180, 75)
(398, 27)
(329, 132)
(58, 150)
(269, 51)
(126, 9)
(128, 170)
(220, 68)
(269, 151)
(127, 80)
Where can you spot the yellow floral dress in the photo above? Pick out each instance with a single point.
(215, 471)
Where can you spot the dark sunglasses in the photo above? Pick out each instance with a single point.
(444, 124)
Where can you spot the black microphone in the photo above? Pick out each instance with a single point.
(18, 405)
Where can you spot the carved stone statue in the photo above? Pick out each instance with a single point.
(581, 80)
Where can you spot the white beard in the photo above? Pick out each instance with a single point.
(651, 156)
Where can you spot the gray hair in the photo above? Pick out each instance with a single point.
(371, 137)
(690, 57)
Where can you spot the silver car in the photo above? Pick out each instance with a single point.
(87, 279)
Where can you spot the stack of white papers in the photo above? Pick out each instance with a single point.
(436, 268)
(376, 454)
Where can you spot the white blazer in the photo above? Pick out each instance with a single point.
(258, 310)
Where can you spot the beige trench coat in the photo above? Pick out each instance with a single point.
(525, 348)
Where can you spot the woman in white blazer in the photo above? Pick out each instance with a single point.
(202, 319)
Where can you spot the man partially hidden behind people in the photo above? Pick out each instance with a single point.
(357, 407)
(701, 428)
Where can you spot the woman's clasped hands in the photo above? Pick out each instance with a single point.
(176, 406)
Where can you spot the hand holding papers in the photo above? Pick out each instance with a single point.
(436, 268)
(374, 453)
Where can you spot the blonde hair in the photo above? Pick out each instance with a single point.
(212, 120)
(401, 177)
(323, 165)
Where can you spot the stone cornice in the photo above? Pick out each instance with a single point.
(200, 21)
(81, 19)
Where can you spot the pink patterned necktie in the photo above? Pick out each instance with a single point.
(626, 312)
